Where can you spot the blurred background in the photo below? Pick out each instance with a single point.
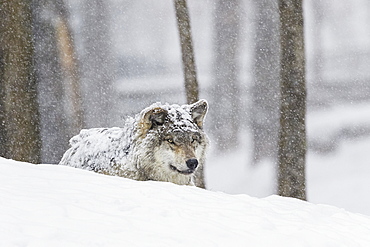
(122, 55)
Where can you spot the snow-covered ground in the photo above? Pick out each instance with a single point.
(48, 205)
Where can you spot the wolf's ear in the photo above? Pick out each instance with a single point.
(198, 111)
(157, 117)
(152, 117)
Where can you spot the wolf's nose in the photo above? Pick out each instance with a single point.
(192, 163)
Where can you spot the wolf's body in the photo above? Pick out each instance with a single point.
(162, 143)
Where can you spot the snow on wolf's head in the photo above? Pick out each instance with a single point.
(171, 142)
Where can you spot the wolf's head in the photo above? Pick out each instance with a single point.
(173, 142)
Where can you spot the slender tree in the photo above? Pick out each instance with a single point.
(2, 97)
(292, 135)
(53, 120)
(265, 91)
(225, 91)
(188, 59)
(96, 64)
(20, 125)
(71, 74)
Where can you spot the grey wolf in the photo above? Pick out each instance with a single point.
(161, 143)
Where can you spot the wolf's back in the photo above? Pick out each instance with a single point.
(98, 149)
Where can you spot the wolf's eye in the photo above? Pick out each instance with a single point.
(194, 139)
(170, 141)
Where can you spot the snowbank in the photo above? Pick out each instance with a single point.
(49, 205)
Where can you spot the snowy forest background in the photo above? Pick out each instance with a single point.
(126, 55)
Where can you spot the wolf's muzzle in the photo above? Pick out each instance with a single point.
(192, 164)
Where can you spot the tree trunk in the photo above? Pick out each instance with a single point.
(188, 60)
(96, 64)
(71, 73)
(2, 97)
(292, 135)
(53, 120)
(225, 93)
(19, 89)
(265, 91)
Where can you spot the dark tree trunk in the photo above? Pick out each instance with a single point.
(292, 136)
(19, 89)
(188, 60)
(2, 97)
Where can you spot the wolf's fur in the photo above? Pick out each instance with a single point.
(158, 144)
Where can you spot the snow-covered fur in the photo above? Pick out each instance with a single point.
(162, 143)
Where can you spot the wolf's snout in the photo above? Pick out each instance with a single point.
(192, 163)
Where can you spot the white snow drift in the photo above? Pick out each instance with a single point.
(47, 205)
